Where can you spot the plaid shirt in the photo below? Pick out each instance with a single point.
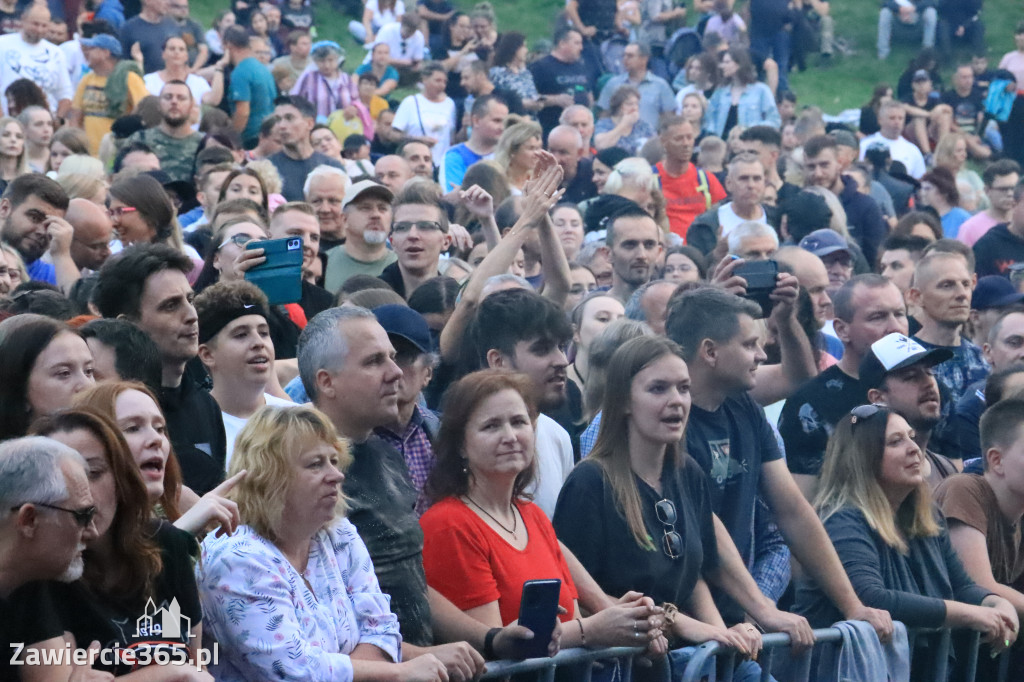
(417, 450)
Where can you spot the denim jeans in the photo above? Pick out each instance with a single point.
(778, 48)
(928, 21)
(747, 671)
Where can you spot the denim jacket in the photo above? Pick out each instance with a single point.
(756, 107)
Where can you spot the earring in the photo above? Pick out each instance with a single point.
(465, 466)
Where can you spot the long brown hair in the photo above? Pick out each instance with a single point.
(611, 450)
(131, 538)
(849, 478)
(102, 398)
(450, 476)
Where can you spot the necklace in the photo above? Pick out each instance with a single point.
(500, 524)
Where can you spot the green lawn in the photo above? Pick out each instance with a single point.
(846, 84)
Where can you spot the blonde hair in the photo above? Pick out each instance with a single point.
(634, 172)
(945, 148)
(266, 447)
(849, 478)
(268, 174)
(80, 185)
(18, 260)
(518, 132)
(22, 167)
(81, 164)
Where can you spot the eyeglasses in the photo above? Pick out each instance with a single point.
(671, 541)
(83, 517)
(421, 225)
(239, 240)
(864, 412)
(120, 211)
(1001, 190)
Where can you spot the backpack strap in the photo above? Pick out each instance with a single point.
(704, 188)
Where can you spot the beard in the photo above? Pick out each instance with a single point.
(29, 249)
(75, 569)
(175, 121)
(375, 236)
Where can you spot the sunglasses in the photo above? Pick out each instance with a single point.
(671, 541)
(864, 412)
(83, 517)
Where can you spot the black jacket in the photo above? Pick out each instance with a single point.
(997, 250)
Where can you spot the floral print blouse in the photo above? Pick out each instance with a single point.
(520, 83)
(273, 623)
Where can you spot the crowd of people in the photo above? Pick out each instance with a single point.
(615, 312)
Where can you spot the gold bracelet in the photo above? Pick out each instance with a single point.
(583, 635)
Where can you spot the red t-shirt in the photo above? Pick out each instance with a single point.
(471, 565)
(683, 202)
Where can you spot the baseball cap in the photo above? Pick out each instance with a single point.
(823, 242)
(104, 41)
(921, 75)
(896, 351)
(404, 322)
(366, 187)
(994, 291)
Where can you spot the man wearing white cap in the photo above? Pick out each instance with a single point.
(366, 215)
(897, 371)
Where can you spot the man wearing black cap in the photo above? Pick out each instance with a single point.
(366, 211)
(897, 372)
(296, 117)
(413, 430)
(235, 348)
(173, 141)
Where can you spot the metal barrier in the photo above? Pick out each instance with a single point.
(936, 656)
(580, 658)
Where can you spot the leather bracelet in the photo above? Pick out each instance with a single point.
(489, 653)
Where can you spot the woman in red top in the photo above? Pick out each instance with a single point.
(483, 538)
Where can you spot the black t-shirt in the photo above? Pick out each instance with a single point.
(811, 414)
(965, 109)
(589, 522)
(45, 610)
(196, 430)
(731, 444)
(382, 506)
(555, 77)
(582, 186)
(314, 300)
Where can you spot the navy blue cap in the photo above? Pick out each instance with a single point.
(823, 242)
(404, 322)
(995, 291)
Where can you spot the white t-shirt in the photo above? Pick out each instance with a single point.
(728, 220)
(554, 462)
(392, 35)
(75, 58)
(418, 116)
(901, 150)
(233, 424)
(386, 17)
(43, 63)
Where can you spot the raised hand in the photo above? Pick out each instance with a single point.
(477, 201)
(214, 508)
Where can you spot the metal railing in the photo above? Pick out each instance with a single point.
(936, 655)
(582, 659)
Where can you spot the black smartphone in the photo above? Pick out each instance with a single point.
(280, 277)
(538, 610)
(761, 277)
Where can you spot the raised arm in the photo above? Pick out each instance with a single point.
(777, 382)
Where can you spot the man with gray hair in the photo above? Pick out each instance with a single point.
(324, 190)
(649, 304)
(745, 181)
(582, 119)
(348, 368)
(753, 241)
(566, 144)
(656, 96)
(46, 512)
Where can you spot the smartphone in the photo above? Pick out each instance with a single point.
(280, 276)
(538, 610)
(761, 277)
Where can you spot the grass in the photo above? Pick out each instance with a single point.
(847, 84)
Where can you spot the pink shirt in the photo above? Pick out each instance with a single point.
(974, 227)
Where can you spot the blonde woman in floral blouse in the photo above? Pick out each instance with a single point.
(292, 594)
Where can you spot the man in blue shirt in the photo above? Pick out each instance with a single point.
(656, 96)
(32, 210)
(251, 90)
(487, 119)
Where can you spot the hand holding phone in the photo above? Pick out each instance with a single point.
(761, 277)
(538, 610)
(280, 275)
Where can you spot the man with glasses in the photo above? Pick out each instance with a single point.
(46, 513)
(173, 140)
(1002, 246)
(90, 243)
(419, 235)
(1000, 178)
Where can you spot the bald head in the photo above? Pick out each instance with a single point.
(35, 21)
(393, 172)
(811, 273)
(90, 245)
(566, 144)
